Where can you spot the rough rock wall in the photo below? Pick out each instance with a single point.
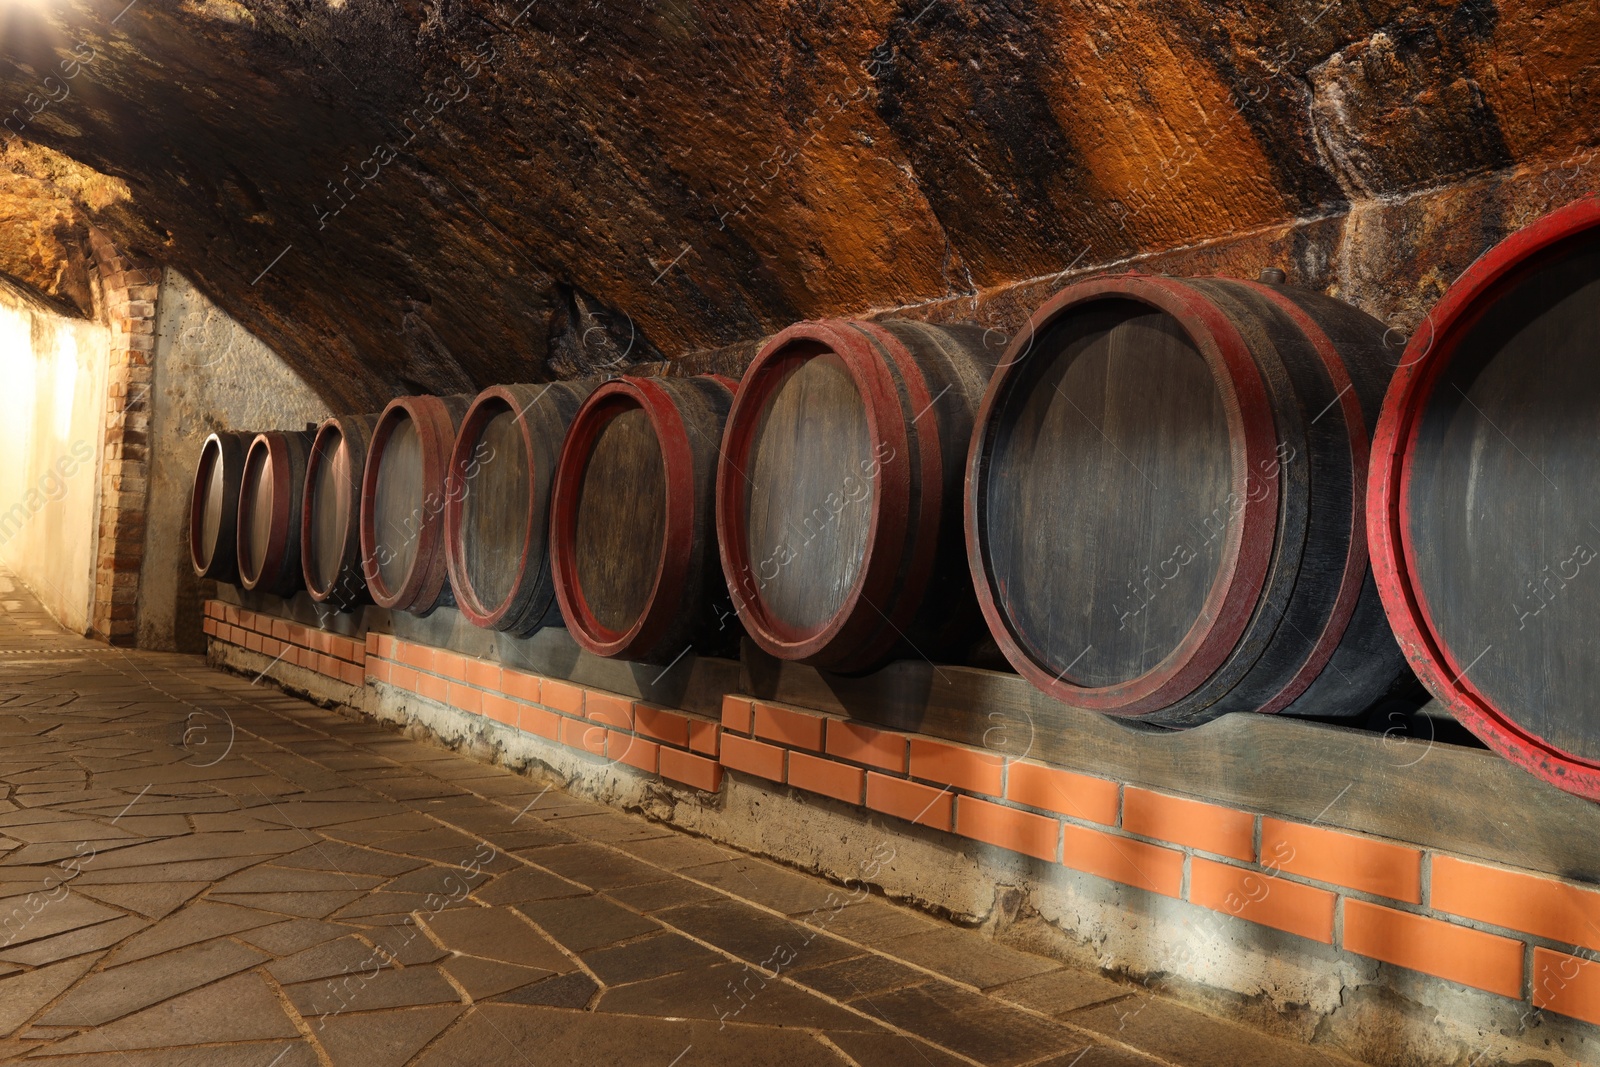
(402, 196)
(210, 374)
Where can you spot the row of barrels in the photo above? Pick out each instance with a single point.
(1164, 499)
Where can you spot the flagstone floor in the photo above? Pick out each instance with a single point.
(195, 870)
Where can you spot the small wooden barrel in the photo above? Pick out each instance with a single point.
(1164, 501)
(1482, 513)
(214, 506)
(330, 512)
(631, 522)
(404, 488)
(270, 492)
(839, 496)
(496, 530)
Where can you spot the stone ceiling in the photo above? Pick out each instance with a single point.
(434, 196)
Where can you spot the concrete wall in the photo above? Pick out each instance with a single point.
(52, 411)
(210, 374)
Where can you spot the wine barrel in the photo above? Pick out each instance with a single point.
(496, 531)
(330, 512)
(1482, 514)
(839, 496)
(270, 491)
(631, 520)
(1164, 497)
(404, 486)
(214, 506)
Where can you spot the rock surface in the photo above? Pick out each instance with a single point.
(409, 196)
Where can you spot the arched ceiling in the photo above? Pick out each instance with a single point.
(406, 195)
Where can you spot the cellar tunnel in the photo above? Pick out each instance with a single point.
(951, 532)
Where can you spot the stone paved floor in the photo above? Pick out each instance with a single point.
(196, 871)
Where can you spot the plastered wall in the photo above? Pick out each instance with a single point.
(52, 414)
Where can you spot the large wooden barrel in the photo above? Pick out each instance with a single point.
(1164, 498)
(496, 531)
(632, 538)
(214, 506)
(270, 492)
(1482, 511)
(404, 486)
(839, 495)
(330, 512)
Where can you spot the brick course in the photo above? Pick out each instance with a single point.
(1311, 881)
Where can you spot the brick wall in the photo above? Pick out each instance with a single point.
(1518, 934)
(129, 288)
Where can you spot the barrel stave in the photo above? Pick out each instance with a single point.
(497, 529)
(269, 521)
(1288, 597)
(214, 506)
(405, 487)
(635, 579)
(330, 512)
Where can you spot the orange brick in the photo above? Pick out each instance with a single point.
(542, 722)
(500, 709)
(372, 644)
(255, 642)
(1207, 827)
(352, 674)
(348, 648)
(863, 744)
(817, 775)
(705, 737)
(418, 656)
(966, 768)
(279, 628)
(485, 674)
(212, 609)
(388, 647)
(660, 724)
(695, 771)
(377, 669)
(433, 688)
(616, 712)
(332, 666)
(634, 751)
(577, 733)
(1261, 898)
(1418, 943)
(752, 757)
(1122, 859)
(561, 696)
(1008, 828)
(450, 664)
(1523, 902)
(922, 804)
(231, 613)
(1566, 984)
(1063, 792)
(520, 685)
(737, 713)
(209, 625)
(466, 698)
(790, 728)
(271, 646)
(1378, 867)
(403, 678)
